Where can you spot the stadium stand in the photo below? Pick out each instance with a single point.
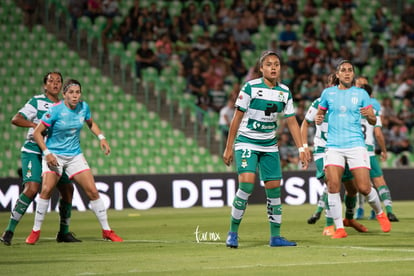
(144, 150)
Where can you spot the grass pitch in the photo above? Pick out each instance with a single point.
(167, 241)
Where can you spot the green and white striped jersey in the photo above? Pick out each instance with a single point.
(321, 134)
(32, 111)
(261, 106)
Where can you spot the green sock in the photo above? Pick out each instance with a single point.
(322, 203)
(240, 205)
(350, 203)
(385, 197)
(274, 211)
(328, 220)
(65, 211)
(18, 211)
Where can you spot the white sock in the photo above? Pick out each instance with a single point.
(374, 201)
(335, 209)
(361, 200)
(41, 210)
(98, 207)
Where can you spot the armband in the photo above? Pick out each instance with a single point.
(46, 152)
(101, 136)
(301, 149)
(305, 146)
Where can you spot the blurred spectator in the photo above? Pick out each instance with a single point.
(94, 9)
(310, 9)
(321, 68)
(237, 66)
(399, 140)
(270, 14)
(302, 72)
(225, 116)
(134, 13)
(312, 51)
(164, 48)
(76, 9)
(242, 37)
(218, 96)
(255, 7)
(251, 22)
(182, 45)
(381, 82)
(207, 16)
(377, 49)
(29, 12)
(222, 11)
(110, 9)
(196, 85)
(324, 34)
(388, 112)
(311, 89)
(144, 58)
(403, 89)
(295, 52)
(330, 4)
(393, 52)
(287, 36)
(407, 16)
(288, 152)
(378, 21)
(406, 113)
(287, 12)
(125, 34)
(360, 52)
(343, 30)
(309, 31)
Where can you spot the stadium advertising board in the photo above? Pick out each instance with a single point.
(187, 190)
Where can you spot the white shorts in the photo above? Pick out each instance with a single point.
(72, 165)
(355, 158)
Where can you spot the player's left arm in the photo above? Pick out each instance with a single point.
(294, 129)
(368, 113)
(93, 126)
(379, 136)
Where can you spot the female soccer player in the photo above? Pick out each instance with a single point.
(253, 134)
(62, 151)
(345, 144)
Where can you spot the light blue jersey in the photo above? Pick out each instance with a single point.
(376, 105)
(344, 116)
(64, 126)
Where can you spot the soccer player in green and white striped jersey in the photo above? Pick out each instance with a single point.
(252, 141)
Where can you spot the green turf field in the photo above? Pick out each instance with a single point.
(162, 241)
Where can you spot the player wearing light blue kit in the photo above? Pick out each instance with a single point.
(345, 144)
(319, 147)
(62, 154)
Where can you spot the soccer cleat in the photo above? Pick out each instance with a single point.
(359, 213)
(328, 230)
(373, 215)
(356, 225)
(392, 217)
(339, 234)
(314, 218)
(7, 237)
(232, 240)
(384, 222)
(68, 237)
(280, 241)
(111, 236)
(33, 237)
